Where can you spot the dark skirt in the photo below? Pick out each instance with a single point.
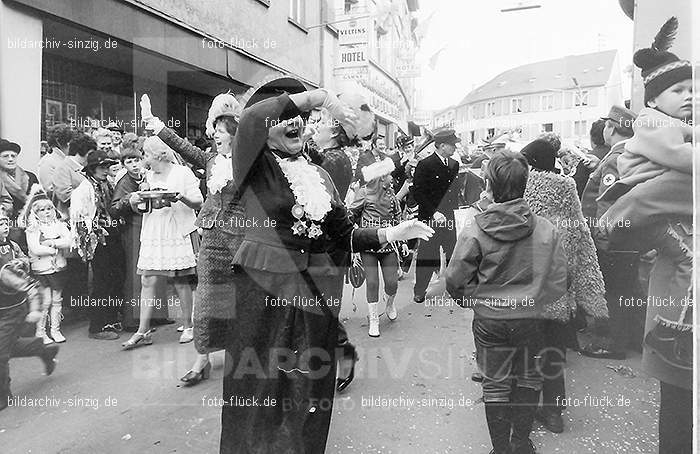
(280, 368)
(214, 309)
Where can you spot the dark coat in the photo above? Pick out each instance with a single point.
(434, 188)
(221, 218)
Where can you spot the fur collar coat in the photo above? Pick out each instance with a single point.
(554, 197)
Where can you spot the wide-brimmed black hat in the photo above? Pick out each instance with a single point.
(6, 145)
(272, 87)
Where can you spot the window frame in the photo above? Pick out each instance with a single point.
(299, 19)
(518, 101)
(582, 98)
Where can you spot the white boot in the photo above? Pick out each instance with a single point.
(373, 319)
(56, 317)
(41, 327)
(390, 310)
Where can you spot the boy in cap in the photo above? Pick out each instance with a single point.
(508, 266)
(16, 290)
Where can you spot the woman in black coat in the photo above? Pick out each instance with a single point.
(289, 274)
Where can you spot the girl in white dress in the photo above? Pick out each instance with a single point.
(168, 237)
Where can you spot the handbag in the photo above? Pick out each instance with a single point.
(355, 275)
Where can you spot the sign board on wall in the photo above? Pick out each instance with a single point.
(353, 32)
(352, 56)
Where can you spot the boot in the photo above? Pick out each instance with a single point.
(41, 327)
(56, 317)
(499, 426)
(524, 402)
(390, 310)
(373, 319)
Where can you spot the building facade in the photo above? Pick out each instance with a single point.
(376, 48)
(77, 62)
(563, 96)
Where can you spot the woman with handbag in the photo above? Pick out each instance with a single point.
(289, 273)
(376, 205)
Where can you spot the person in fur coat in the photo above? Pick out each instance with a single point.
(554, 197)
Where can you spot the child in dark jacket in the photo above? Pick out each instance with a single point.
(508, 266)
(16, 290)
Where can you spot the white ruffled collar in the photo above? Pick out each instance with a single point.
(313, 201)
(221, 173)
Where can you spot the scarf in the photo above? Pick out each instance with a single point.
(16, 183)
(103, 199)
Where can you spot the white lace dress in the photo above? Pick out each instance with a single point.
(166, 233)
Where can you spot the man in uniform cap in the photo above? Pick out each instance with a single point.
(620, 269)
(437, 199)
(617, 131)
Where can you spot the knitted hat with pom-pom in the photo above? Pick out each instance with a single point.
(661, 68)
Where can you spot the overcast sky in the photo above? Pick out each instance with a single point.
(481, 42)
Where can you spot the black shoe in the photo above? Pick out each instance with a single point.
(49, 358)
(477, 377)
(602, 353)
(418, 299)
(349, 354)
(191, 378)
(525, 447)
(114, 327)
(104, 335)
(551, 420)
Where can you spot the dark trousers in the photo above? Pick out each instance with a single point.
(624, 297)
(76, 284)
(507, 354)
(429, 256)
(553, 360)
(675, 420)
(14, 346)
(107, 284)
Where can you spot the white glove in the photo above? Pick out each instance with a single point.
(439, 217)
(408, 230)
(147, 116)
(341, 112)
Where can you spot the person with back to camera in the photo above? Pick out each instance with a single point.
(509, 266)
